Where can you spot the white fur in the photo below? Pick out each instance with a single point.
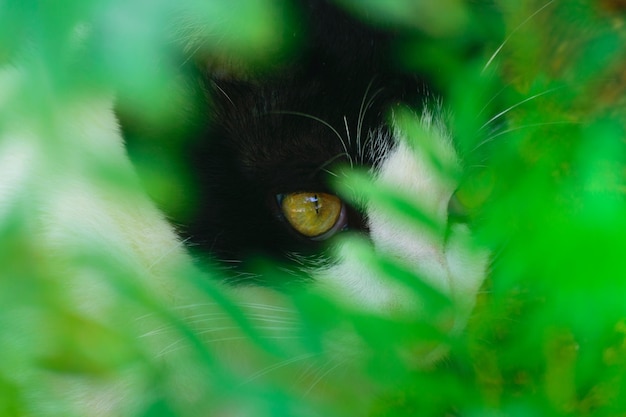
(74, 212)
(454, 267)
(52, 162)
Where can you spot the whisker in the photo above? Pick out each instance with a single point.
(172, 347)
(213, 314)
(267, 307)
(345, 123)
(331, 173)
(267, 319)
(214, 317)
(362, 111)
(328, 162)
(195, 305)
(224, 93)
(233, 338)
(164, 255)
(224, 328)
(322, 375)
(306, 371)
(325, 123)
(191, 54)
(503, 112)
(178, 344)
(278, 365)
(359, 123)
(491, 100)
(175, 308)
(160, 330)
(513, 129)
(513, 33)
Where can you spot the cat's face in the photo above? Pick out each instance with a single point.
(273, 169)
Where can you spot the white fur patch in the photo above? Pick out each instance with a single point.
(448, 262)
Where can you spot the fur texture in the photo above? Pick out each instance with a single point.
(332, 108)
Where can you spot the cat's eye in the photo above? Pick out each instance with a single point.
(316, 216)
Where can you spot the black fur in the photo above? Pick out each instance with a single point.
(262, 137)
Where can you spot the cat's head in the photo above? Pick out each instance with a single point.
(277, 169)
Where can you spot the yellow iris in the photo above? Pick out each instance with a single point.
(311, 214)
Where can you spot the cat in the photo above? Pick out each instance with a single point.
(275, 147)
(273, 168)
(276, 143)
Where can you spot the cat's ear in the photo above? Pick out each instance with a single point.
(231, 68)
(234, 43)
(226, 68)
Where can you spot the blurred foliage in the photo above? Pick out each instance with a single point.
(537, 93)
